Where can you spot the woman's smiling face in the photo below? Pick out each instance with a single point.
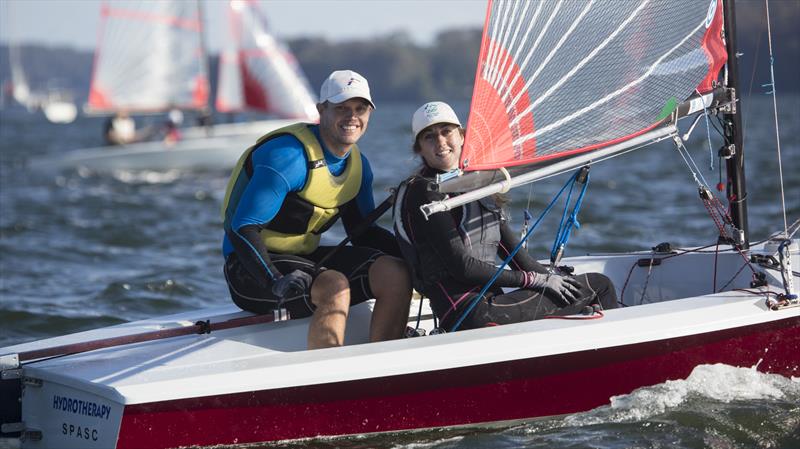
(440, 146)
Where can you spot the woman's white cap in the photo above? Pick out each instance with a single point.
(343, 85)
(432, 113)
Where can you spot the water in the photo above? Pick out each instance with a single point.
(80, 251)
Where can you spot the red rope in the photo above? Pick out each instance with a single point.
(595, 316)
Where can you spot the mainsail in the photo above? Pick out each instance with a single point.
(558, 81)
(261, 74)
(149, 58)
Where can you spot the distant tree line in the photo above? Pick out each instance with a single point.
(397, 68)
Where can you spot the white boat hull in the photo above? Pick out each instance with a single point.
(199, 149)
(258, 383)
(60, 111)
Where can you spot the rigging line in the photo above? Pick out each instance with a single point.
(519, 48)
(684, 152)
(733, 278)
(621, 299)
(568, 223)
(585, 60)
(550, 56)
(775, 112)
(474, 301)
(527, 216)
(507, 58)
(718, 130)
(602, 101)
(535, 45)
(708, 131)
(646, 280)
(755, 65)
(505, 30)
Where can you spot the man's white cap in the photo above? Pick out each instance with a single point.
(432, 113)
(343, 85)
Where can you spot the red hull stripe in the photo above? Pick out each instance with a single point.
(512, 390)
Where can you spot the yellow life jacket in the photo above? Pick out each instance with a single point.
(306, 214)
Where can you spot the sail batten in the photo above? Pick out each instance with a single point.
(600, 102)
(508, 58)
(503, 87)
(556, 79)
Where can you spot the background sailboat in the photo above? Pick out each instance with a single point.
(151, 59)
(57, 105)
(258, 73)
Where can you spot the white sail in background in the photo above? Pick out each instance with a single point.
(149, 57)
(19, 84)
(230, 92)
(20, 90)
(559, 78)
(271, 80)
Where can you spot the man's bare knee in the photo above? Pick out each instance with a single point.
(327, 288)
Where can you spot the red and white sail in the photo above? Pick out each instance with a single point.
(149, 57)
(560, 78)
(261, 75)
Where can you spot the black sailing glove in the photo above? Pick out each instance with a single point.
(292, 285)
(565, 288)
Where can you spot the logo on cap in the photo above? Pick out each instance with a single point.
(431, 110)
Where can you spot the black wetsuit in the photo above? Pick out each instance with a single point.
(456, 255)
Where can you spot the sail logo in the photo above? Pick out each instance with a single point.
(712, 9)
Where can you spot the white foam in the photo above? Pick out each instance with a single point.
(719, 382)
(147, 176)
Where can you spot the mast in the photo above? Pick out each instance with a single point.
(734, 165)
(204, 46)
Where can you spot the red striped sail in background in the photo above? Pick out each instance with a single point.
(262, 74)
(558, 78)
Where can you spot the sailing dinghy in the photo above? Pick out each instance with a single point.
(224, 377)
(150, 59)
(56, 104)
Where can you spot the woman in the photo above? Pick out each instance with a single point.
(454, 254)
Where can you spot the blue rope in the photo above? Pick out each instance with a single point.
(476, 299)
(566, 224)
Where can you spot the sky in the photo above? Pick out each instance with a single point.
(74, 23)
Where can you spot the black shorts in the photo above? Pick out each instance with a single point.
(450, 298)
(256, 296)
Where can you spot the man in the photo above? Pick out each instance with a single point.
(286, 190)
(120, 129)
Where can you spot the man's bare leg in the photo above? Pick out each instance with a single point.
(330, 293)
(391, 284)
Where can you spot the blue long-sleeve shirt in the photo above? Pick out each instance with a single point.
(280, 166)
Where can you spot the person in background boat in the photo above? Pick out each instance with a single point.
(172, 132)
(120, 129)
(288, 189)
(454, 254)
(206, 120)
